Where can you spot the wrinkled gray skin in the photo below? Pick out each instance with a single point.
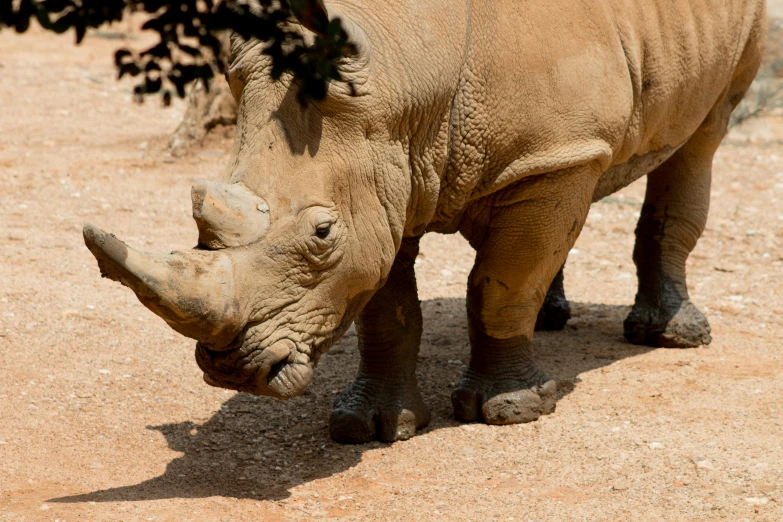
(499, 120)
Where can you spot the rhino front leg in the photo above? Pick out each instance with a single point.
(556, 310)
(522, 248)
(384, 401)
(672, 219)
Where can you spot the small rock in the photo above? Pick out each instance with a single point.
(104, 372)
(757, 501)
(656, 445)
(44, 507)
(703, 463)
(211, 153)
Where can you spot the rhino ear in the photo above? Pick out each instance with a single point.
(312, 14)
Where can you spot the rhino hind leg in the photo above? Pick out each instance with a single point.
(672, 219)
(556, 310)
(384, 401)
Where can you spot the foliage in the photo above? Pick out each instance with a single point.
(189, 47)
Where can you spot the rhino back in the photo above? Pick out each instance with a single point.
(548, 85)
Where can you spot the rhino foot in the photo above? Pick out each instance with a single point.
(553, 315)
(685, 327)
(368, 410)
(504, 401)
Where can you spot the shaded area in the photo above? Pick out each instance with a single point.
(260, 448)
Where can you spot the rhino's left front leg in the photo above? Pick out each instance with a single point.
(532, 228)
(556, 310)
(384, 401)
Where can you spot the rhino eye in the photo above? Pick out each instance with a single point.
(322, 231)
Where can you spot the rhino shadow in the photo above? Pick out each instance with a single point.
(260, 448)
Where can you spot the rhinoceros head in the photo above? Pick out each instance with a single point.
(295, 240)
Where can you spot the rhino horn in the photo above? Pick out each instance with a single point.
(192, 291)
(228, 214)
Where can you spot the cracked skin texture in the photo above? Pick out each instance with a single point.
(499, 120)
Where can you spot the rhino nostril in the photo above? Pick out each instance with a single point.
(274, 370)
(208, 352)
(216, 350)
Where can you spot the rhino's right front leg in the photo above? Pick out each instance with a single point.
(384, 401)
(520, 251)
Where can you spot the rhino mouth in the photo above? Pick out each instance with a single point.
(255, 363)
(279, 370)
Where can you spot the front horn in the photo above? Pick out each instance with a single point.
(192, 291)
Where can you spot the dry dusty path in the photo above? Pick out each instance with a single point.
(104, 416)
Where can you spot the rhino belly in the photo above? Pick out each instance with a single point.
(622, 175)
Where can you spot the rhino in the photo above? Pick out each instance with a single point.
(500, 120)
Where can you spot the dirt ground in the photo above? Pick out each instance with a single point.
(104, 415)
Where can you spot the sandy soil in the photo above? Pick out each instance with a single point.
(104, 416)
